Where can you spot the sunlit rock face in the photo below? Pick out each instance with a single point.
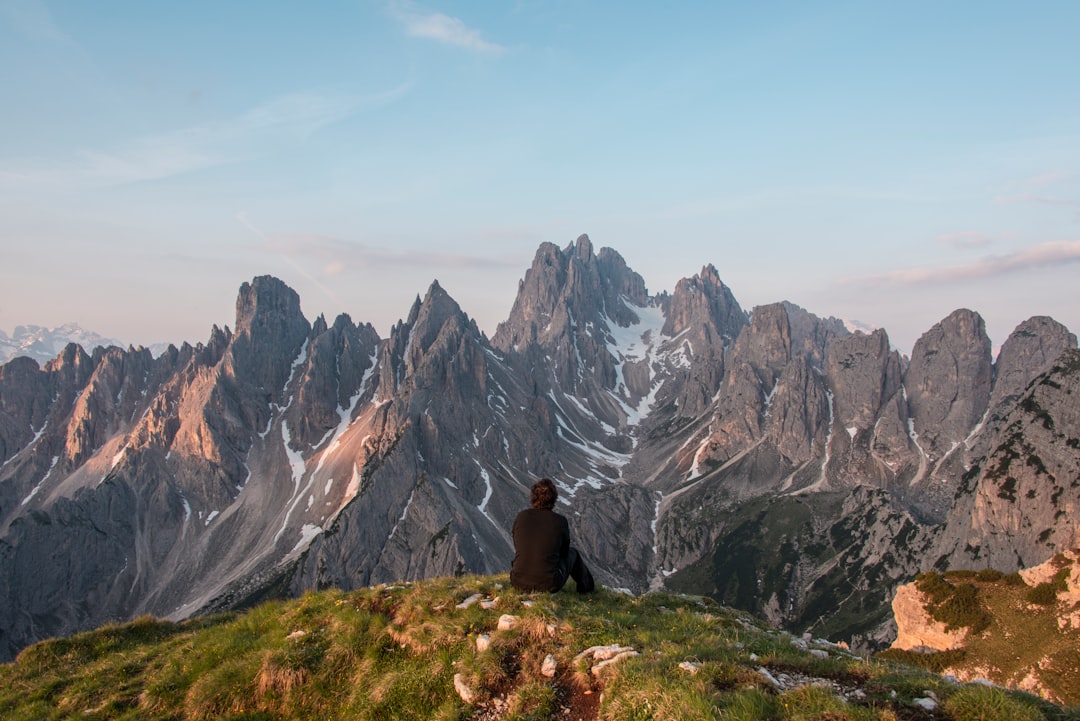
(771, 459)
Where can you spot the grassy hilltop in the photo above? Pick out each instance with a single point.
(434, 650)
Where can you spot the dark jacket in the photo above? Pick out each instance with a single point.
(541, 551)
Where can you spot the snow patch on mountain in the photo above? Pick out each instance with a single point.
(632, 344)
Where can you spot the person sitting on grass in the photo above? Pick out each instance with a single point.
(543, 556)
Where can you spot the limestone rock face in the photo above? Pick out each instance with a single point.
(339, 359)
(1030, 349)
(865, 375)
(797, 420)
(270, 331)
(916, 630)
(948, 381)
(1019, 504)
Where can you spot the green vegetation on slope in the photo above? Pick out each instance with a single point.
(1016, 633)
(395, 652)
(957, 604)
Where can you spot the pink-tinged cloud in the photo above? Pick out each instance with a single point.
(1039, 256)
(1040, 181)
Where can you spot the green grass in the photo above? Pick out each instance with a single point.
(392, 652)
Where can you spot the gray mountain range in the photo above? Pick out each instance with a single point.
(772, 459)
(43, 344)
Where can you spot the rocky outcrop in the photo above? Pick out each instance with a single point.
(948, 382)
(1033, 612)
(916, 629)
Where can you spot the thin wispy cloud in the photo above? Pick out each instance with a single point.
(1038, 190)
(1034, 198)
(266, 241)
(251, 134)
(1042, 255)
(971, 239)
(422, 23)
(33, 19)
(1044, 179)
(336, 256)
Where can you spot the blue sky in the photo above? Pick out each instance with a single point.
(880, 162)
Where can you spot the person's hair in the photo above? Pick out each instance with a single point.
(544, 494)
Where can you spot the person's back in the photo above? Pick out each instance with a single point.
(543, 557)
(541, 543)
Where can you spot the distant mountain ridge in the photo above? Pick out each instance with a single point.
(771, 459)
(43, 344)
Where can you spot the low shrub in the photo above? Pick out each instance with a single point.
(934, 586)
(1045, 594)
(963, 609)
(989, 575)
(937, 662)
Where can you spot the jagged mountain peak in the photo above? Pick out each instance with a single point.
(319, 326)
(570, 291)
(704, 301)
(263, 301)
(435, 323)
(1029, 350)
(271, 331)
(582, 248)
(948, 381)
(437, 309)
(72, 356)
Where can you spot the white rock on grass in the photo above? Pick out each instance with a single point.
(602, 653)
(606, 655)
(463, 689)
(470, 600)
(613, 660)
(507, 622)
(769, 677)
(928, 704)
(549, 667)
(483, 642)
